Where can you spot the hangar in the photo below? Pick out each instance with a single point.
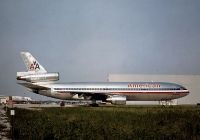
(191, 82)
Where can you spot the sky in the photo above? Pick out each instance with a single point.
(86, 40)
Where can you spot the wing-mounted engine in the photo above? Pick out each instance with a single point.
(117, 99)
(37, 77)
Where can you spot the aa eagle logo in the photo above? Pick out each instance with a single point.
(34, 66)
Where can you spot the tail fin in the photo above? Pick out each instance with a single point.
(31, 63)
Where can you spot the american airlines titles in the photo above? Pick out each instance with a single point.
(132, 85)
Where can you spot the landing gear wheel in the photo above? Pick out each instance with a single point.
(94, 104)
(62, 104)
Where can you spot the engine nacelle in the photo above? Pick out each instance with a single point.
(39, 77)
(117, 99)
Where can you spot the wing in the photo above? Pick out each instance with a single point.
(91, 95)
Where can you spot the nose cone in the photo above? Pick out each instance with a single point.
(185, 92)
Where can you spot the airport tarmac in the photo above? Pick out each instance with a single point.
(37, 106)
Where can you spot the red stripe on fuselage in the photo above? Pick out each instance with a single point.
(134, 92)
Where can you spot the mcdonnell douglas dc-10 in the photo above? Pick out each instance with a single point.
(39, 81)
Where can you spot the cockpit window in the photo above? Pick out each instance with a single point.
(183, 88)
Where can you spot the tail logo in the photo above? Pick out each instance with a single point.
(34, 66)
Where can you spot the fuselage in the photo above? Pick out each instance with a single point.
(135, 91)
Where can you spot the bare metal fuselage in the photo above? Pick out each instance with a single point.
(142, 91)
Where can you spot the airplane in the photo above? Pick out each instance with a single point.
(39, 81)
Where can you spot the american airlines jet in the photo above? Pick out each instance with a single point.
(39, 81)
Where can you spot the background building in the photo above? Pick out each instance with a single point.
(3, 99)
(191, 82)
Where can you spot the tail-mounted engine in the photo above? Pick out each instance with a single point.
(37, 77)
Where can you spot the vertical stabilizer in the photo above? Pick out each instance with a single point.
(31, 63)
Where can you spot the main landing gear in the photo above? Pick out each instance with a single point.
(94, 104)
